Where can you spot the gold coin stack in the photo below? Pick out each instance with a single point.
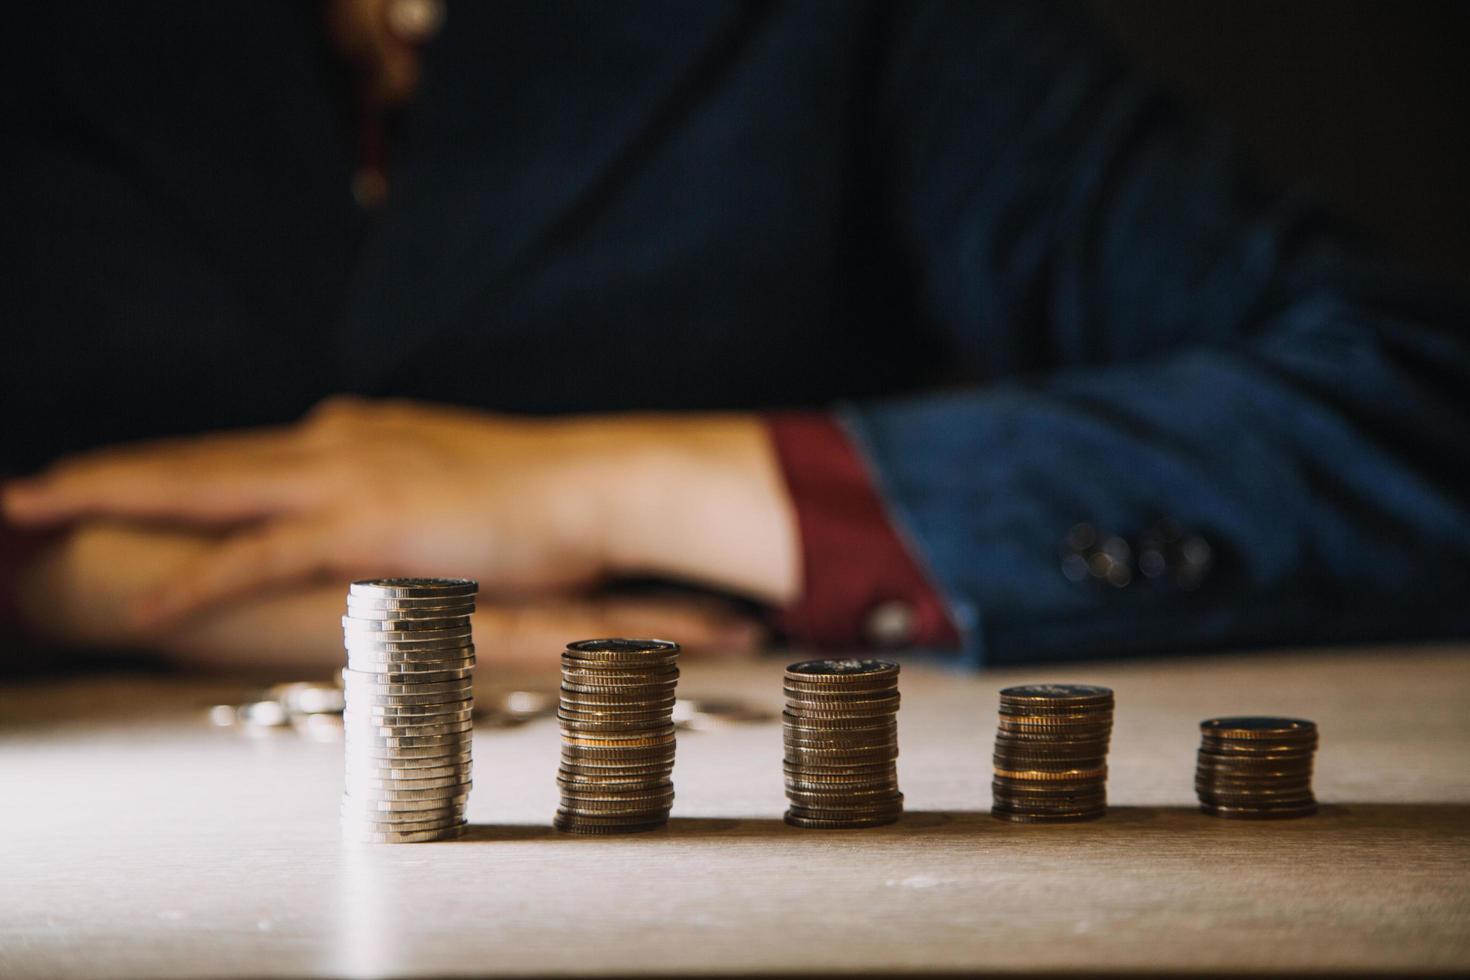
(841, 731)
(617, 729)
(1051, 753)
(1256, 768)
(409, 701)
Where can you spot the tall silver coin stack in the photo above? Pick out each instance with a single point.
(617, 730)
(1051, 753)
(409, 705)
(841, 733)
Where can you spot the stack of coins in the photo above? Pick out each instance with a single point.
(841, 729)
(1256, 768)
(617, 729)
(1051, 753)
(407, 720)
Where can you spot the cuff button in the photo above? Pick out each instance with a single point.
(890, 624)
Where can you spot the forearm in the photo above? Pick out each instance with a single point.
(701, 499)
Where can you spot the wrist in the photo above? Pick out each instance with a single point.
(701, 499)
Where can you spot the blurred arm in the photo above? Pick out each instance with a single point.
(1194, 349)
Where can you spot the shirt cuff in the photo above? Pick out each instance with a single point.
(15, 549)
(861, 588)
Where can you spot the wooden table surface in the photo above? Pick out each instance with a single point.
(135, 840)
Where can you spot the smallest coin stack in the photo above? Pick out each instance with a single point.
(841, 729)
(1256, 768)
(1051, 753)
(617, 730)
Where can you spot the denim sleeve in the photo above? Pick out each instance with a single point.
(1144, 333)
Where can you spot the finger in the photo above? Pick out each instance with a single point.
(695, 623)
(536, 631)
(297, 631)
(214, 484)
(244, 564)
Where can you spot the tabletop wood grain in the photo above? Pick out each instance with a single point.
(135, 840)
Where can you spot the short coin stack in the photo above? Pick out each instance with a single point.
(1051, 753)
(1256, 768)
(409, 701)
(617, 729)
(841, 729)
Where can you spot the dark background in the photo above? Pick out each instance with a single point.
(1366, 102)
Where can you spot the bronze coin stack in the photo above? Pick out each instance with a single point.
(841, 731)
(1051, 753)
(617, 730)
(1256, 768)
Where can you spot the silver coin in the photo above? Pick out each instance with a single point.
(412, 614)
(409, 602)
(367, 784)
(373, 764)
(375, 629)
(417, 679)
(354, 720)
(407, 724)
(459, 691)
(366, 806)
(413, 767)
(363, 737)
(357, 698)
(370, 627)
(413, 618)
(427, 755)
(424, 650)
(394, 704)
(448, 790)
(354, 636)
(403, 713)
(413, 588)
(438, 755)
(401, 811)
(382, 811)
(371, 681)
(410, 670)
(360, 727)
(361, 825)
(371, 660)
(456, 741)
(460, 771)
(417, 837)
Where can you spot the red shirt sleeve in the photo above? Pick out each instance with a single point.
(861, 587)
(15, 548)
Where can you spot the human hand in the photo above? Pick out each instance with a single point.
(78, 589)
(358, 489)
